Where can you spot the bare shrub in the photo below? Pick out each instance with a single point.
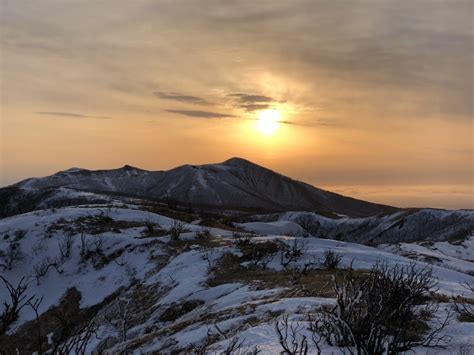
(67, 326)
(11, 256)
(149, 227)
(92, 249)
(18, 300)
(242, 239)
(35, 305)
(152, 229)
(211, 261)
(19, 234)
(42, 268)
(264, 252)
(464, 350)
(119, 317)
(80, 338)
(259, 253)
(38, 247)
(292, 252)
(290, 337)
(204, 234)
(84, 248)
(464, 310)
(65, 246)
(381, 313)
(97, 244)
(176, 229)
(331, 260)
(296, 273)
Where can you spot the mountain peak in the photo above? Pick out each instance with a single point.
(129, 167)
(72, 170)
(236, 161)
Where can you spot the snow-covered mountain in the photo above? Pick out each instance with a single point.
(235, 184)
(410, 225)
(108, 272)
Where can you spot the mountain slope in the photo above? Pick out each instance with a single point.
(411, 225)
(234, 184)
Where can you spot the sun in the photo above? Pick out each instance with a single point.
(268, 121)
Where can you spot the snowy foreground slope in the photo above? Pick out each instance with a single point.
(151, 284)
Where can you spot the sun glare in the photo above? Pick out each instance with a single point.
(267, 121)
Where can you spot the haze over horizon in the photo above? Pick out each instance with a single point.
(372, 100)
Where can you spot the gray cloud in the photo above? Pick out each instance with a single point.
(249, 98)
(252, 102)
(70, 115)
(200, 114)
(314, 123)
(288, 122)
(254, 107)
(174, 96)
(62, 114)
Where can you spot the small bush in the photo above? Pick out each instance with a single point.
(11, 256)
(241, 239)
(12, 307)
(290, 336)
(176, 311)
(464, 307)
(292, 252)
(42, 268)
(176, 229)
(204, 234)
(19, 234)
(381, 313)
(65, 245)
(331, 260)
(150, 227)
(259, 253)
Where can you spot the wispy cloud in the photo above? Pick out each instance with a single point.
(61, 114)
(174, 96)
(200, 114)
(287, 122)
(250, 98)
(313, 123)
(70, 115)
(252, 102)
(254, 107)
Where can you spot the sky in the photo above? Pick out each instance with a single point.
(372, 99)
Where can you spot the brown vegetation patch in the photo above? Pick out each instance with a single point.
(315, 282)
(177, 310)
(459, 237)
(92, 225)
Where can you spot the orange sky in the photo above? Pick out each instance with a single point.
(374, 99)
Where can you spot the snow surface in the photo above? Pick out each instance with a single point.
(178, 274)
(273, 228)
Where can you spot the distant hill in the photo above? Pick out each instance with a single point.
(236, 184)
(406, 226)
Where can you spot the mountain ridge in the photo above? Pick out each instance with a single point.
(235, 184)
